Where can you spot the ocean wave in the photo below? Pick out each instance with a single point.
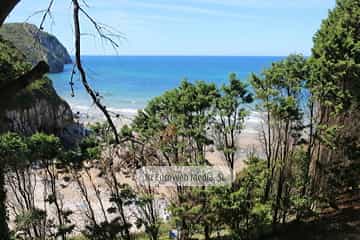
(80, 107)
(87, 108)
(254, 118)
(124, 110)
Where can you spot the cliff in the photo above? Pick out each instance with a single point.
(36, 45)
(37, 107)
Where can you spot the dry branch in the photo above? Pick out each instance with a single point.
(82, 72)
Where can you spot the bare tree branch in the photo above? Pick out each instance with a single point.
(47, 13)
(83, 73)
(105, 32)
(71, 83)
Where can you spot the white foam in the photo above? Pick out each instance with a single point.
(80, 107)
(94, 110)
(254, 117)
(124, 110)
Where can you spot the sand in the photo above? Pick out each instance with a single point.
(72, 198)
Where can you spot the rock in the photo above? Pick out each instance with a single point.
(39, 117)
(36, 45)
(37, 108)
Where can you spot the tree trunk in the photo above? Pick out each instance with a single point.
(207, 232)
(6, 6)
(4, 230)
(278, 197)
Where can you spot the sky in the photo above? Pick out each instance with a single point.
(187, 27)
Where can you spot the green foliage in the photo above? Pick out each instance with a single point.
(26, 220)
(302, 152)
(12, 66)
(122, 197)
(230, 111)
(335, 84)
(281, 88)
(20, 154)
(36, 45)
(44, 147)
(180, 123)
(22, 38)
(240, 207)
(90, 147)
(13, 149)
(12, 63)
(181, 113)
(148, 216)
(126, 131)
(335, 59)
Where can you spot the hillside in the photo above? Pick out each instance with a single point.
(36, 45)
(332, 224)
(36, 108)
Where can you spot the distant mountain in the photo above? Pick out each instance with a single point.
(36, 45)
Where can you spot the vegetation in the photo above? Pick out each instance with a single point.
(335, 86)
(38, 98)
(12, 66)
(309, 139)
(11, 149)
(36, 45)
(178, 125)
(12, 62)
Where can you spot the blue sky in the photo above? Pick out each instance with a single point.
(190, 27)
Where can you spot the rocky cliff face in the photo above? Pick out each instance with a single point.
(40, 117)
(35, 108)
(36, 45)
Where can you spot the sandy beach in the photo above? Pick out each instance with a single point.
(70, 194)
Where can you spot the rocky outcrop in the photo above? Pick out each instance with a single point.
(36, 45)
(44, 111)
(37, 108)
(41, 117)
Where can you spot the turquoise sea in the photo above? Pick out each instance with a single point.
(128, 82)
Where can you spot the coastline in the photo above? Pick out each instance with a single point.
(248, 141)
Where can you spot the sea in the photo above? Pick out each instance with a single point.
(127, 83)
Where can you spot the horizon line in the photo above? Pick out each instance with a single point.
(176, 55)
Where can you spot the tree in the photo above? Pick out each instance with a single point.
(12, 148)
(46, 149)
(148, 212)
(230, 112)
(281, 92)
(336, 87)
(21, 181)
(240, 206)
(21, 82)
(42, 68)
(175, 128)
